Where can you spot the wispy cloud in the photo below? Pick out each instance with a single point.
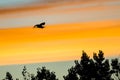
(58, 13)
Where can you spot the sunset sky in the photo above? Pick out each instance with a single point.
(71, 27)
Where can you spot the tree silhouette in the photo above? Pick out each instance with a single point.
(42, 74)
(8, 76)
(116, 68)
(26, 74)
(97, 68)
(72, 74)
(45, 74)
(33, 77)
(102, 66)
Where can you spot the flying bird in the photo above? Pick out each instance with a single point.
(41, 25)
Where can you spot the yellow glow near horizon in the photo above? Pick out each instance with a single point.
(59, 42)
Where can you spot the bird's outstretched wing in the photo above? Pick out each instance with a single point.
(43, 23)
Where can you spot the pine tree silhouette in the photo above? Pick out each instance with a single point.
(116, 68)
(97, 68)
(8, 76)
(45, 74)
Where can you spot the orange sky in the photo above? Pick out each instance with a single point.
(70, 28)
(59, 42)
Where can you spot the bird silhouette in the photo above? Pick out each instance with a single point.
(39, 25)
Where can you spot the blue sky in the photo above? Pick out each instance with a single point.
(6, 3)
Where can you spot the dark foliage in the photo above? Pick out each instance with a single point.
(72, 74)
(42, 74)
(97, 68)
(8, 76)
(116, 67)
(45, 74)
